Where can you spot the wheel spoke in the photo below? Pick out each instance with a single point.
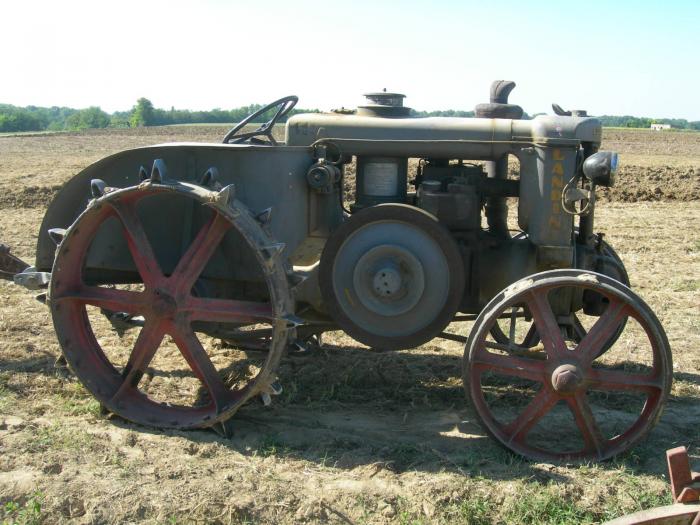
(532, 337)
(200, 363)
(200, 251)
(579, 329)
(107, 298)
(603, 330)
(147, 343)
(601, 379)
(539, 406)
(585, 420)
(513, 319)
(546, 324)
(516, 350)
(510, 365)
(139, 245)
(225, 310)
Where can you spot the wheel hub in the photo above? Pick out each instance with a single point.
(387, 281)
(164, 304)
(566, 379)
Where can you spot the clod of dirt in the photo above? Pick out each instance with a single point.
(53, 468)
(72, 507)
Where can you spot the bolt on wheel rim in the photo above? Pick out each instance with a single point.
(564, 398)
(169, 315)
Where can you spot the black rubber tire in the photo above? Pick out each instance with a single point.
(416, 218)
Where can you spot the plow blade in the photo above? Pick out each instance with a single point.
(9, 264)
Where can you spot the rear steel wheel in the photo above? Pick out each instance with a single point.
(172, 316)
(391, 276)
(564, 400)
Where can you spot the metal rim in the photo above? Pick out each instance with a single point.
(167, 305)
(559, 381)
(433, 261)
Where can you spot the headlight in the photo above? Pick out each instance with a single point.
(601, 167)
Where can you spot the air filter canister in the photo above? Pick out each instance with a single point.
(379, 180)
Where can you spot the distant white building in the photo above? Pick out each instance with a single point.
(660, 127)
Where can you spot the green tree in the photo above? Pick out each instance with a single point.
(143, 113)
(92, 117)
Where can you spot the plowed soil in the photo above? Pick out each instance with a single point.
(357, 436)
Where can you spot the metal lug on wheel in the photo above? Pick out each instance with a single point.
(226, 196)
(159, 171)
(296, 278)
(273, 389)
(31, 279)
(97, 187)
(57, 234)
(224, 428)
(143, 174)
(264, 216)
(273, 249)
(210, 179)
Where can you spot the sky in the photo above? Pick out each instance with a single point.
(618, 57)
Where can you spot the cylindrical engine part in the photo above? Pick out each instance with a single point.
(380, 180)
(496, 209)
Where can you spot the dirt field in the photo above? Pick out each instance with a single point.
(358, 436)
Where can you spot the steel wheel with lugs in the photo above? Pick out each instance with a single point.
(162, 371)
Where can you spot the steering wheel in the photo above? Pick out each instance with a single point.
(283, 105)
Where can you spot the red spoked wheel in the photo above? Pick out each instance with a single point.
(197, 386)
(565, 399)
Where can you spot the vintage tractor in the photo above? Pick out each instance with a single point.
(162, 253)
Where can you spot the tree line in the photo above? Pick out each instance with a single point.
(143, 113)
(33, 118)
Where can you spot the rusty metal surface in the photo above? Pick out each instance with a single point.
(677, 514)
(10, 264)
(685, 484)
(685, 489)
(566, 376)
(166, 303)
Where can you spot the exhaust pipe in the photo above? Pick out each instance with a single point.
(496, 208)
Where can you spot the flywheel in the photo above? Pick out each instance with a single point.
(392, 276)
(155, 256)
